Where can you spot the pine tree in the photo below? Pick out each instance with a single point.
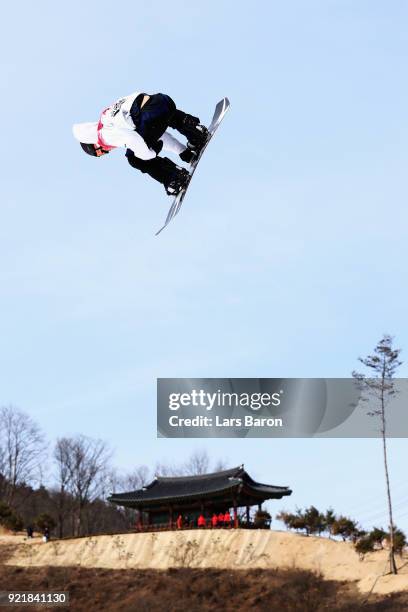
(379, 385)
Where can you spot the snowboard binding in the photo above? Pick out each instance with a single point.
(197, 135)
(178, 182)
(190, 154)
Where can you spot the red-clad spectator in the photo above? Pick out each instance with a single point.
(179, 521)
(201, 521)
(221, 519)
(214, 520)
(227, 519)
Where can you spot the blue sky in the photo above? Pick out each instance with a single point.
(289, 256)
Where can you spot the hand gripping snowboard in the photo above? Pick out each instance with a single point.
(219, 113)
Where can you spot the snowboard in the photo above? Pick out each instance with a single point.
(219, 113)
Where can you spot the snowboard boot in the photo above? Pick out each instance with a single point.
(189, 155)
(161, 169)
(190, 127)
(178, 181)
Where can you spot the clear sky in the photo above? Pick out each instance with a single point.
(289, 256)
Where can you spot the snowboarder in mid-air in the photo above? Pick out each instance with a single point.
(139, 123)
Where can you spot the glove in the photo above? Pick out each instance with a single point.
(157, 146)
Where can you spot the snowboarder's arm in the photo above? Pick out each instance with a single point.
(139, 147)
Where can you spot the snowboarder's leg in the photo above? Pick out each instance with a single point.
(171, 144)
(190, 127)
(162, 169)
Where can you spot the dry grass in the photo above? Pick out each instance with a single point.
(197, 590)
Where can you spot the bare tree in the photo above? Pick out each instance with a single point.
(85, 463)
(130, 481)
(380, 386)
(3, 464)
(22, 450)
(63, 475)
(136, 479)
(197, 463)
(168, 469)
(220, 465)
(113, 480)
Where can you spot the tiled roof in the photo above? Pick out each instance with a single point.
(164, 488)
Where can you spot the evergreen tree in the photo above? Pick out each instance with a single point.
(378, 385)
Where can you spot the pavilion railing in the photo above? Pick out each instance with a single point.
(193, 525)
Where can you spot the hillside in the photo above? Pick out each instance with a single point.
(232, 549)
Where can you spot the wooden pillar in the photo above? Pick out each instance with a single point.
(247, 515)
(259, 507)
(171, 517)
(235, 513)
(148, 517)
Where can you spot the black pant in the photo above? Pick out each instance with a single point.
(162, 169)
(156, 115)
(151, 121)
